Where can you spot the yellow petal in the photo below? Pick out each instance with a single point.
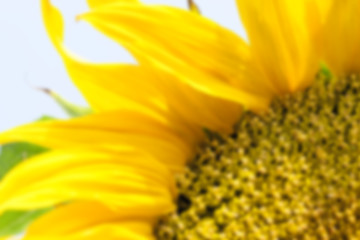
(99, 3)
(99, 83)
(89, 220)
(123, 180)
(342, 37)
(196, 107)
(110, 231)
(112, 130)
(323, 8)
(201, 53)
(144, 89)
(281, 37)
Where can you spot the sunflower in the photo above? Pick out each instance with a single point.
(208, 136)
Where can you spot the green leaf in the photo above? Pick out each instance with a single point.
(14, 222)
(13, 153)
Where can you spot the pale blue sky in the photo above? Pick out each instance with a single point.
(28, 59)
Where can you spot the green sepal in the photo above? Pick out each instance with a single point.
(13, 153)
(325, 71)
(71, 109)
(14, 222)
(45, 118)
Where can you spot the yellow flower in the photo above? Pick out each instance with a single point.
(110, 174)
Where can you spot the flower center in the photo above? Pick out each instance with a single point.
(293, 173)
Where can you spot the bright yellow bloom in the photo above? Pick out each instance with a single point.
(110, 174)
(342, 37)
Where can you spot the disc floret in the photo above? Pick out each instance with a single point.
(292, 173)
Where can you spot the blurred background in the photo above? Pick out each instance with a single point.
(28, 60)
